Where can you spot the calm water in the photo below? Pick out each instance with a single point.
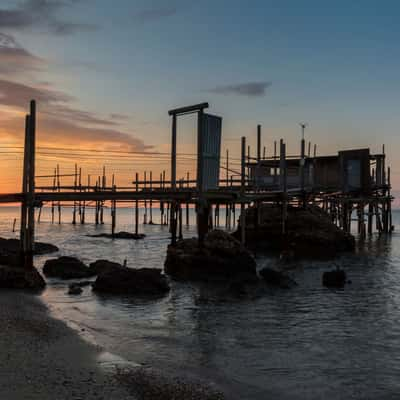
(305, 343)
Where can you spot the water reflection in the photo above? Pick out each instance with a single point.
(308, 342)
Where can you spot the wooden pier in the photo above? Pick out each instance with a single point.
(361, 187)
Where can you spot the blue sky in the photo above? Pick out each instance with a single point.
(332, 64)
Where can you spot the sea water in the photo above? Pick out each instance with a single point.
(308, 342)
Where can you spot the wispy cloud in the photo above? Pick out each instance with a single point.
(15, 59)
(250, 89)
(32, 14)
(119, 117)
(59, 121)
(151, 14)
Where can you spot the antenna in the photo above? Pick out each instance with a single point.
(303, 127)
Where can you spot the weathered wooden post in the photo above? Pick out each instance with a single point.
(151, 198)
(28, 188)
(75, 185)
(59, 190)
(370, 217)
(31, 184)
(137, 205)
(302, 163)
(167, 216)
(96, 213)
(383, 165)
(363, 230)
(187, 203)
(83, 203)
(101, 202)
(258, 143)
(180, 235)
(173, 153)
(113, 209)
(283, 184)
(275, 169)
(54, 189)
(145, 200)
(389, 207)
(25, 175)
(242, 192)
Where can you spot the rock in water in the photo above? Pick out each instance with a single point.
(144, 281)
(310, 232)
(21, 278)
(221, 258)
(277, 278)
(74, 289)
(10, 251)
(101, 266)
(335, 278)
(120, 235)
(66, 268)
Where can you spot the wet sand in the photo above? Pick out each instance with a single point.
(41, 358)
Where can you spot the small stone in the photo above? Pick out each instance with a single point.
(335, 278)
(74, 289)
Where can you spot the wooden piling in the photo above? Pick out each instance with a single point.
(113, 209)
(370, 218)
(389, 205)
(173, 153)
(75, 186)
(283, 184)
(103, 188)
(180, 234)
(258, 143)
(151, 200)
(52, 202)
(187, 203)
(137, 206)
(28, 237)
(59, 190)
(145, 201)
(242, 191)
(25, 175)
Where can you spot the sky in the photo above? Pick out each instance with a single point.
(105, 74)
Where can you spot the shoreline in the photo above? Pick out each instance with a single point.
(44, 357)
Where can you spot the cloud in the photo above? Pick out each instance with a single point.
(119, 117)
(18, 95)
(155, 13)
(58, 122)
(15, 59)
(250, 89)
(32, 14)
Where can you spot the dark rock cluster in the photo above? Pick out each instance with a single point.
(10, 251)
(67, 268)
(221, 257)
(310, 232)
(12, 277)
(122, 280)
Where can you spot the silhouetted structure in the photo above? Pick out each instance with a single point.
(338, 184)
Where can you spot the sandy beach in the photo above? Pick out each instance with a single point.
(41, 358)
